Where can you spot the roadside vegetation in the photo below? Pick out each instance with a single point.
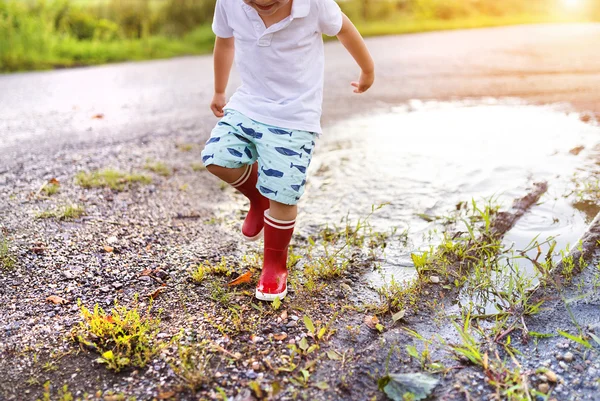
(66, 33)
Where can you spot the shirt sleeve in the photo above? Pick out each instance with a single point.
(220, 25)
(330, 17)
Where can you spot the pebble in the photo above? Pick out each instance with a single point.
(255, 366)
(434, 279)
(117, 285)
(568, 357)
(544, 388)
(291, 323)
(563, 365)
(105, 289)
(250, 374)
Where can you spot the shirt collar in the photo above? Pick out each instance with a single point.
(300, 8)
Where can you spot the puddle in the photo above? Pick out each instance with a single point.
(424, 158)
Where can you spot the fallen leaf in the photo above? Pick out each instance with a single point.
(38, 250)
(98, 116)
(280, 337)
(551, 376)
(155, 293)
(576, 150)
(418, 384)
(322, 386)
(108, 249)
(284, 315)
(56, 300)
(165, 395)
(146, 272)
(244, 278)
(53, 181)
(398, 315)
(371, 322)
(334, 355)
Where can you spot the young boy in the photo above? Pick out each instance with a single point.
(264, 142)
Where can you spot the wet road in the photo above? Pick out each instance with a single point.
(45, 111)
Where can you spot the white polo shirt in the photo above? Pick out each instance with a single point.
(282, 66)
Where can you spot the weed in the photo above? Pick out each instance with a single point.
(193, 364)
(50, 188)
(68, 212)
(159, 168)
(7, 259)
(220, 294)
(185, 147)
(110, 178)
(63, 394)
(199, 273)
(396, 296)
(198, 166)
(123, 338)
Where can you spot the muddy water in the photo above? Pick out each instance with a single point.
(424, 158)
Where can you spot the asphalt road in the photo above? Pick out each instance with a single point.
(48, 111)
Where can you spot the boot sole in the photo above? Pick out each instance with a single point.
(270, 297)
(255, 238)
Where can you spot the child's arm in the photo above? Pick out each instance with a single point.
(357, 48)
(223, 60)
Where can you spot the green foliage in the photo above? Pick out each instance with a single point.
(7, 259)
(193, 364)
(159, 168)
(123, 337)
(110, 178)
(68, 212)
(63, 394)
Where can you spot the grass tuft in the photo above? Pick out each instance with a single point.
(123, 338)
(110, 178)
(159, 168)
(64, 213)
(7, 259)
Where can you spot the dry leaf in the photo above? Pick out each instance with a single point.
(56, 300)
(284, 315)
(146, 272)
(98, 116)
(280, 337)
(108, 249)
(371, 322)
(166, 395)
(156, 292)
(53, 181)
(38, 250)
(244, 278)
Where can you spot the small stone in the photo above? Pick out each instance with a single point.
(117, 285)
(568, 357)
(255, 366)
(105, 289)
(563, 365)
(162, 335)
(294, 317)
(544, 388)
(434, 279)
(291, 323)
(112, 240)
(250, 374)
(551, 376)
(68, 275)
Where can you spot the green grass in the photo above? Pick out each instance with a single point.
(7, 259)
(68, 212)
(159, 168)
(110, 178)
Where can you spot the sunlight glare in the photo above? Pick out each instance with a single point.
(572, 3)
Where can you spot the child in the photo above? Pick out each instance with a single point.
(264, 142)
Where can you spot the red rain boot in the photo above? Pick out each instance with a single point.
(252, 228)
(273, 279)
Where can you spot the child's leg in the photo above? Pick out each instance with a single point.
(280, 220)
(244, 180)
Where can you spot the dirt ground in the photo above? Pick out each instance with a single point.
(139, 245)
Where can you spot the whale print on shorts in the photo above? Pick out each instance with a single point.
(222, 123)
(267, 190)
(278, 131)
(301, 169)
(205, 158)
(297, 187)
(288, 152)
(308, 151)
(248, 152)
(213, 140)
(234, 152)
(241, 138)
(272, 173)
(250, 132)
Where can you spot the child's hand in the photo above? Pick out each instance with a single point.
(364, 82)
(218, 102)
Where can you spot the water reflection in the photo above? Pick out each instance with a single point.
(424, 158)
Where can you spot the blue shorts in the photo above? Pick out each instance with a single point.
(283, 155)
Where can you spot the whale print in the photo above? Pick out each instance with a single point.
(288, 152)
(241, 138)
(250, 132)
(222, 123)
(272, 173)
(308, 151)
(267, 190)
(248, 152)
(234, 152)
(205, 158)
(213, 140)
(227, 112)
(302, 169)
(278, 131)
(297, 187)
